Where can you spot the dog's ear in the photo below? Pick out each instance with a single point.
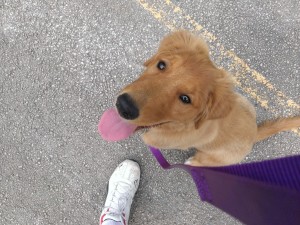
(221, 98)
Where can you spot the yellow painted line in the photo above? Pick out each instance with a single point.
(159, 15)
(243, 67)
(246, 68)
(281, 97)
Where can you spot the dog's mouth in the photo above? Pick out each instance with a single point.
(147, 128)
(113, 128)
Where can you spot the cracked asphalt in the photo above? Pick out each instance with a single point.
(62, 64)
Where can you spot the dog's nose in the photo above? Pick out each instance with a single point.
(126, 107)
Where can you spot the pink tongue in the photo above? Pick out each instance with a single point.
(113, 128)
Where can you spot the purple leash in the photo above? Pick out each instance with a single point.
(259, 193)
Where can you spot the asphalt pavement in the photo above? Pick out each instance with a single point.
(62, 64)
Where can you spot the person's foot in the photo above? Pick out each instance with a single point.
(123, 184)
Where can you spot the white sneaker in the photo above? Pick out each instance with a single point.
(123, 184)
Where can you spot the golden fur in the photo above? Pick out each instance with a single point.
(219, 123)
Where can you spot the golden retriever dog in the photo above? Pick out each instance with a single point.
(185, 101)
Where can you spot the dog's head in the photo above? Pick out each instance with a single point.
(179, 84)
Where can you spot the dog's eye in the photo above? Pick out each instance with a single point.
(161, 65)
(185, 99)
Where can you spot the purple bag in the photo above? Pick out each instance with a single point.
(258, 193)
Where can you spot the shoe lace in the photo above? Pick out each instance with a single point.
(119, 199)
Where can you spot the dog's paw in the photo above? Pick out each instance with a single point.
(188, 161)
(192, 162)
